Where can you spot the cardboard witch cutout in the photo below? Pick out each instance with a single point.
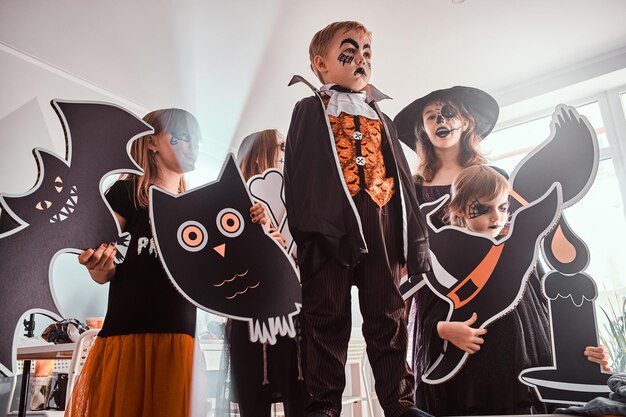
(570, 156)
(567, 161)
(269, 189)
(64, 212)
(222, 262)
(478, 274)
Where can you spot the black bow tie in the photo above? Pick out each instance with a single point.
(341, 89)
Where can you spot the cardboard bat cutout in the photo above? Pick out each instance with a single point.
(64, 212)
(222, 262)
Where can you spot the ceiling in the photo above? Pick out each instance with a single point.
(229, 61)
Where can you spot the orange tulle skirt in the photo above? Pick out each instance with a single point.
(138, 375)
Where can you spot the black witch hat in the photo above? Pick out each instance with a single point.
(481, 105)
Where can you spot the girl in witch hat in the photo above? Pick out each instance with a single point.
(445, 128)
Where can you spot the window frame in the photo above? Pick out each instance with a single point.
(614, 118)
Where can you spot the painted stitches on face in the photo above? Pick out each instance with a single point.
(347, 56)
(345, 59)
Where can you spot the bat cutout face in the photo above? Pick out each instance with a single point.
(54, 201)
(221, 261)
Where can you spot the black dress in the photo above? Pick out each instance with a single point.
(262, 374)
(488, 382)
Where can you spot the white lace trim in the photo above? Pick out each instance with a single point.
(349, 103)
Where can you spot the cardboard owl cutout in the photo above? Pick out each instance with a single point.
(64, 212)
(222, 262)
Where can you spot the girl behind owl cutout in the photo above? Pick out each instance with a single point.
(262, 374)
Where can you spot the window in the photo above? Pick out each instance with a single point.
(509, 146)
(599, 217)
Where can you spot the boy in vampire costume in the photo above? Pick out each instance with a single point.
(355, 219)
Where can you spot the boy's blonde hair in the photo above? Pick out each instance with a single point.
(478, 182)
(321, 40)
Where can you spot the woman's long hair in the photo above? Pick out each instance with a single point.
(469, 154)
(164, 120)
(258, 152)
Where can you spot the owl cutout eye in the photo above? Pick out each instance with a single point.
(58, 184)
(192, 236)
(230, 222)
(43, 205)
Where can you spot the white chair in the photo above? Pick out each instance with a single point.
(81, 351)
(359, 385)
(79, 356)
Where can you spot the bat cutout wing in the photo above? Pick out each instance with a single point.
(64, 212)
(474, 273)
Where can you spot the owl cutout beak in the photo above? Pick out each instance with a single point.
(221, 249)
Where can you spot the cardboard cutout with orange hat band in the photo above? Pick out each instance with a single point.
(474, 273)
(478, 274)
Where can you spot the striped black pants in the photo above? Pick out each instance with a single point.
(327, 317)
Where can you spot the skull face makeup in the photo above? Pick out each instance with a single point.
(446, 112)
(184, 137)
(443, 124)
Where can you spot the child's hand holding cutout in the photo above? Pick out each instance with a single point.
(100, 262)
(461, 334)
(599, 355)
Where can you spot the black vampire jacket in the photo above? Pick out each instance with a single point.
(322, 216)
